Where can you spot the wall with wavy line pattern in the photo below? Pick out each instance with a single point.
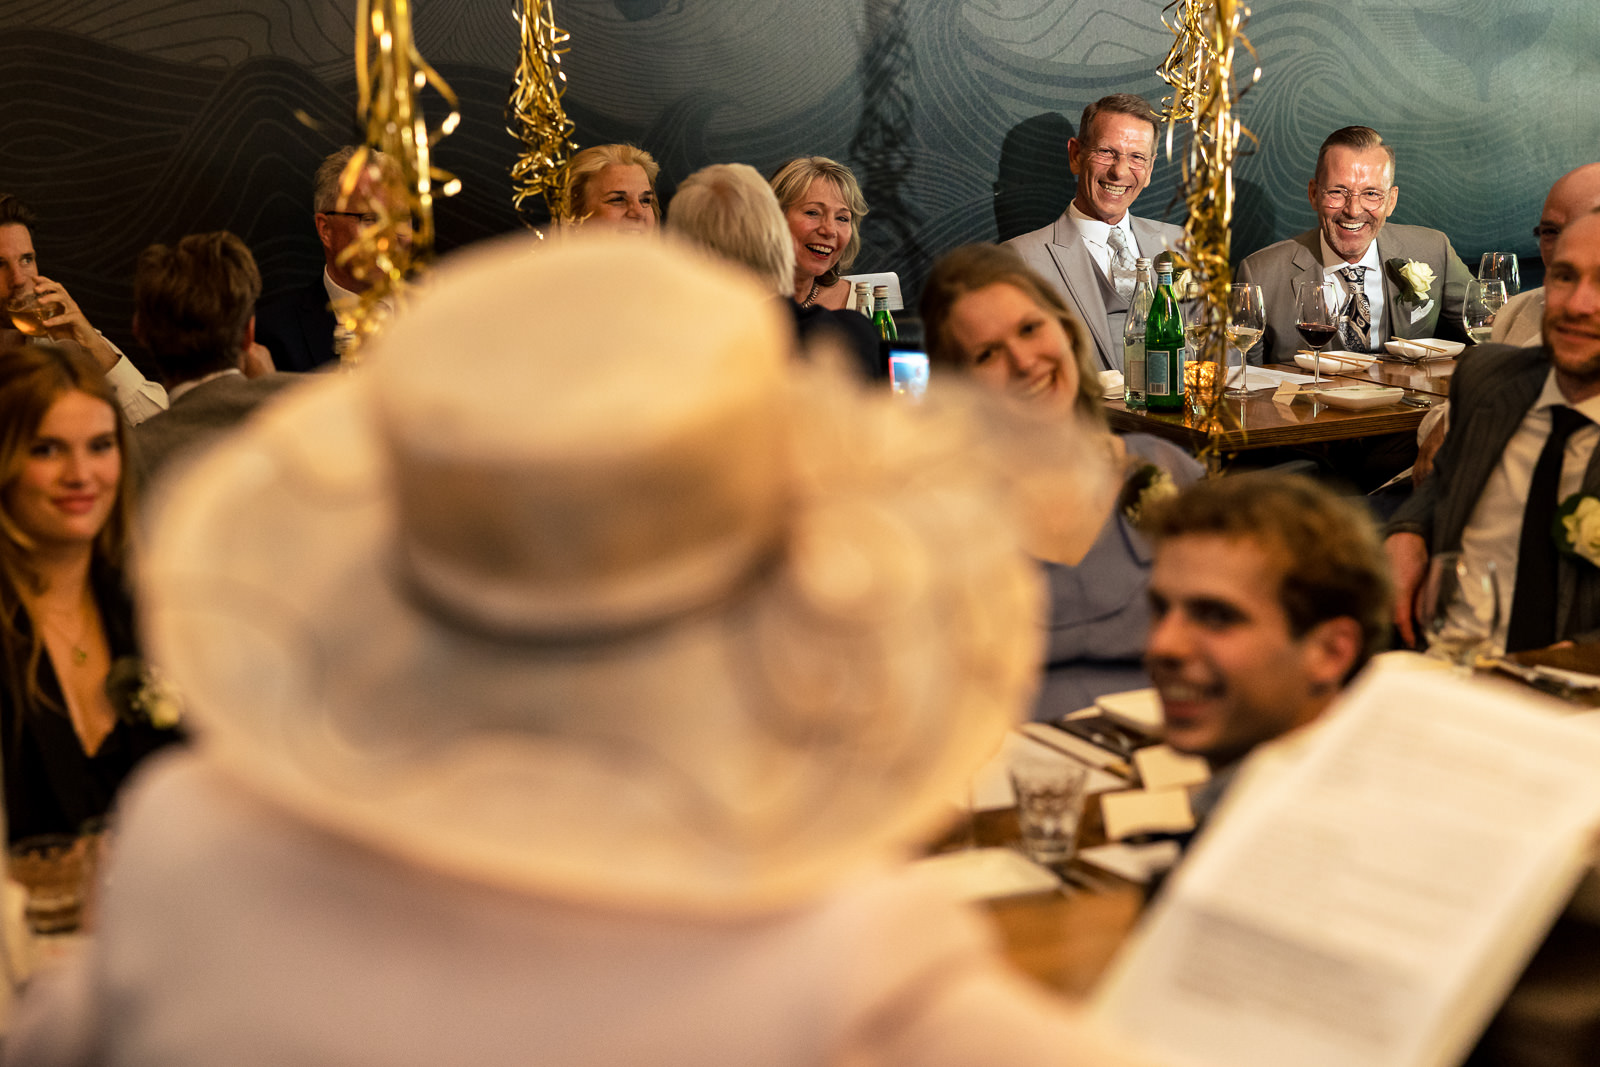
(131, 121)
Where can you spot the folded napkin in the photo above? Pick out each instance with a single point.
(1111, 384)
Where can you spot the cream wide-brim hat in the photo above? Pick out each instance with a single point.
(583, 586)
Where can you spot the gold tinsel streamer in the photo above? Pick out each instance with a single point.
(534, 112)
(390, 74)
(1200, 68)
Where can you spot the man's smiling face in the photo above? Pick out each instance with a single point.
(1113, 161)
(1353, 194)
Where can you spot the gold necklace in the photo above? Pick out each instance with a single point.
(812, 295)
(80, 655)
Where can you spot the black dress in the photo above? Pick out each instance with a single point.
(51, 785)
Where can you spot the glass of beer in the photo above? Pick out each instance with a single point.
(28, 313)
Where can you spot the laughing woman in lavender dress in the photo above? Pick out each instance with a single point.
(986, 313)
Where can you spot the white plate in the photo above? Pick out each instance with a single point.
(1361, 397)
(1414, 350)
(1334, 361)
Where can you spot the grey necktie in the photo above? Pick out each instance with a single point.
(1358, 312)
(1124, 270)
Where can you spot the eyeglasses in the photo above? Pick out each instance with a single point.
(366, 218)
(1110, 157)
(1371, 199)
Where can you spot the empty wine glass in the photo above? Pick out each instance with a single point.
(1317, 319)
(1502, 265)
(1246, 319)
(1459, 608)
(1485, 297)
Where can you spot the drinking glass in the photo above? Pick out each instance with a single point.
(1247, 318)
(1485, 297)
(1459, 608)
(1317, 319)
(1502, 265)
(1050, 791)
(28, 314)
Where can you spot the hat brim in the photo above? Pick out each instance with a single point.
(740, 758)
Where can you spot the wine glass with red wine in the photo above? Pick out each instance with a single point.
(1317, 319)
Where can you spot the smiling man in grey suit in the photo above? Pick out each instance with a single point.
(1088, 254)
(1522, 443)
(1403, 281)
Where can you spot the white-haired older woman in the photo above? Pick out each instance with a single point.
(730, 210)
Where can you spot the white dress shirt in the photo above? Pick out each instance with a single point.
(1096, 236)
(1494, 532)
(1371, 284)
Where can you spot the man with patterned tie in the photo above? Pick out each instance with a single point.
(1394, 280)
(1521, 447)
(1089, 253)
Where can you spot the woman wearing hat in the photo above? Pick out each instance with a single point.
(990, 316)
(569, 703)
(65, 618)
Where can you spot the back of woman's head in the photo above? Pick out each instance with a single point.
(32, 378)
(582, 168)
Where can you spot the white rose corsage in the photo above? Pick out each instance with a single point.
(1415, 279)
(141, 694)
(1577, 528)
(1146, 487)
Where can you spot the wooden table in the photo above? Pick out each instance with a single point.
(1261, 422)
(1067, 937)
(1432, 378)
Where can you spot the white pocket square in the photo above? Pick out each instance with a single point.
(1421, 311)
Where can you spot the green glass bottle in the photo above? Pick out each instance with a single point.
(1163, 345)
(880, 314)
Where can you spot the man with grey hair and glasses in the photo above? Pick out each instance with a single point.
(1392, 280)
(1090, 253)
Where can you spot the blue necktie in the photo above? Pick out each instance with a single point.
(1358, 312)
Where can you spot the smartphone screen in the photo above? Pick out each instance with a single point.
(908, 372)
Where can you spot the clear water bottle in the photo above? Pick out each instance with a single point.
(863, 302)
(1133, 369)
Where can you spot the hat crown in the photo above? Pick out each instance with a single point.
(627, 464)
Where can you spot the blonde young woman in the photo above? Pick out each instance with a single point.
(65, 619)
(989, 315)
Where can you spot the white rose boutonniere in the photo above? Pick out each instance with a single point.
(141, 694)
(1577, 528)
(1147, 486)
(1415, 279)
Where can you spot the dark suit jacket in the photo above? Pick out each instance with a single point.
(1056, 253)
(1490, 393)
(297, 328)
(1280, 269)
(198, 418)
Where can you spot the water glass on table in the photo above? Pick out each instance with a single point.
(1050, 792)
(1459, 608)
(1247, 318)
(1485, 297)
(56, 870)
(1502, 265)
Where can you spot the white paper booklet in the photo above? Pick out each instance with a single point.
(1371, 900)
